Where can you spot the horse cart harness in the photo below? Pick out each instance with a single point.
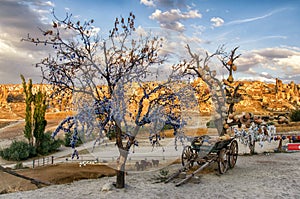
(204, 152)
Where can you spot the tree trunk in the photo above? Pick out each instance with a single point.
(121, 169)
(122, 158)
(219, 126)
(124, 151)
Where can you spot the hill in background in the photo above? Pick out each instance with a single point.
(258, 97)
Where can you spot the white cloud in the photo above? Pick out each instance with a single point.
(49, 3)
(171, 19)
(141, 31)
(217, 21)
(292, 61)
(240, 21)
(199, 29)
(148, 3)
(282, 61)
(174, 26)
(174, 14)
(256, 78)
(6, 48)
(40, 3)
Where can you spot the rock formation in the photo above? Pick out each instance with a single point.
(257, 97)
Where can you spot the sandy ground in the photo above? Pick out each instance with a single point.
(270, 175)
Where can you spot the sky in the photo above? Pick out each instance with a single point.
(266, 31)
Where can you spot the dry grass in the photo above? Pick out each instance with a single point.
(59, 115)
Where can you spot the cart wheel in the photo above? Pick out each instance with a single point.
(186, 157)
(222, 161)
(233, 153)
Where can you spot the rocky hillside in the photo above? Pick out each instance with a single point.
(12, 101)
(258, 97)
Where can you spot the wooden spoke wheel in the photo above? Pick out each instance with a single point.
(233, 153)
(187, 156)
(222, 161)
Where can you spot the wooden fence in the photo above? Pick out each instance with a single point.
(42, 161)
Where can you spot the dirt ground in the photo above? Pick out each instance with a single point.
(55, 174)
(63, 173)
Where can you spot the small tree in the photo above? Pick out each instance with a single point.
(28, 132)
(39, 121)
(35, 122)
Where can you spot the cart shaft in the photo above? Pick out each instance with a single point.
(195, 172)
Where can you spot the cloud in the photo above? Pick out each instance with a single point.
(260, 39)
(290, 61)
(16, 57)
(167, 4)
(172, 19)
(199, 29)
(284, 62)
(240, 21)
(149, 3)
(171, 3)
(276, 52)
(267, 75)
(257, 78)
(217, 21)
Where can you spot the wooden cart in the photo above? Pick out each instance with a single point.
(204, 152)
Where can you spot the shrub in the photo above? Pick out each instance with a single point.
(111, 134)
(210, 124)
(19, 165)
(167, 127)
(295, 115)
(68, 138)
(15, 98)
(18, 150)
(48, 144)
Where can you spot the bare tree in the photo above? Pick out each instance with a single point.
(222, 92)
(81, 62)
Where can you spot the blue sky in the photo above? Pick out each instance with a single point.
(266, 31)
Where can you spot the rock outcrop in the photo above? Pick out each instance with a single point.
(257, 97)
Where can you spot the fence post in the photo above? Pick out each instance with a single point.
(280, 145)
(52, 159)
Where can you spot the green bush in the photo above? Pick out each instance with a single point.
(167, 127)
(18, 150)
(68, 138)
(295, 115)
(48, 144)
(210, 124)
(19, 165)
